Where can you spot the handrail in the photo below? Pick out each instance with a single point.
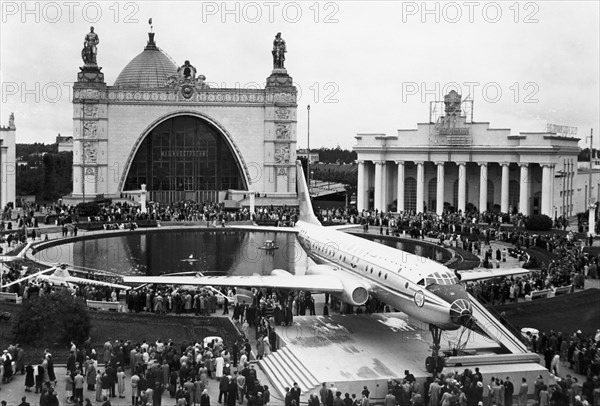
(515, 331)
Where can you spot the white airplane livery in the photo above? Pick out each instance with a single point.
(418, 286)
(352, 268)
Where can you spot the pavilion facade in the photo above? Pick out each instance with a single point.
(465, 165)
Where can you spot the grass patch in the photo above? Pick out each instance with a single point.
(128, 326)
(567, 313)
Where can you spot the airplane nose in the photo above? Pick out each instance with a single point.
(460, 311)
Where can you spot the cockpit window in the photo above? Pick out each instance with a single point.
(441, 278)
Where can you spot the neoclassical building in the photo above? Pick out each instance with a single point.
(455, 162)
(8, 166)
(162, 125)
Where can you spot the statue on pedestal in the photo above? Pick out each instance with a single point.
(90, 50)
(279, 50)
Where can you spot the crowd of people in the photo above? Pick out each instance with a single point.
(184, 370)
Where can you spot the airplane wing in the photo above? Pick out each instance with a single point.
(8, 258)
(345, 227)
(28, 277)
(84, 281)
(320, 283)
(480, 274)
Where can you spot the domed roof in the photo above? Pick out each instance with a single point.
(149, 69)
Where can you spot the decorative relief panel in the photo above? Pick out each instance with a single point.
(282, 172)
(90, 110)
(282, 154)
(282, 131)
(90, 153)
(90, 129)
(282, 113)
(90, 94)
(199, 96)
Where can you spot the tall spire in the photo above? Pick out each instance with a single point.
(151, 44)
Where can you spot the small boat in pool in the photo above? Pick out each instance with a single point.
(269, 245)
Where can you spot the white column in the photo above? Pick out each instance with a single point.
(400, 194)
(504, 190)
(360, 187)
(252, 195)
(143, 199)
(378, 184)
(462, 186)
(546, 205)
(384, 186)
(440, 189)
(3, 177)
(483, 186)
(552, 181)
(524, 190)
(420, 186)
(592, 219)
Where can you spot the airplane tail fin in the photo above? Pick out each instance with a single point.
(306, 210)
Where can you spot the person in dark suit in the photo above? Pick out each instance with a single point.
(295, 391)
(24, 401)
(509, 390)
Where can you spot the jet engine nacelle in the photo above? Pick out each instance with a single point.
(356, 291)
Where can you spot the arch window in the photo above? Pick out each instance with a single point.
(432, 194)
(410, 194)
(184, 154)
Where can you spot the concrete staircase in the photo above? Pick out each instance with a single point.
(283, 369)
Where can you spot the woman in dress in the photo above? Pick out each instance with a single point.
(204, 377)
(29, 380)
(219, 364)
(267, 346)
(121, 382)
(90, 376)
(98, 386)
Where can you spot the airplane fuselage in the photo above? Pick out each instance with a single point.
(412, 284)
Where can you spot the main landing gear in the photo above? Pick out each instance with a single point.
(435, 363)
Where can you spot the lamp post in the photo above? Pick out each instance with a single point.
(83, 172)
(308, 146)
(591, 207)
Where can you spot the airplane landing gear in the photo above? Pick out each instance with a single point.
(435, 363)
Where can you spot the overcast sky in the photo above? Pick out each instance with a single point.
(364, 67)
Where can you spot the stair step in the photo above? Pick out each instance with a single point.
(273, 377)
(305, 379)
(278, 367)
(313, 379)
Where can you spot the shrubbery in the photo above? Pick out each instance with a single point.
(538, 222)
(57, 317)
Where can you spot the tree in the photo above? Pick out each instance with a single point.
(57, 317)
(538, 222)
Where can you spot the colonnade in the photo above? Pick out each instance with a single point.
(383, 172)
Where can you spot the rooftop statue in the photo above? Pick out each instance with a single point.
(90, 50)
(279, 50)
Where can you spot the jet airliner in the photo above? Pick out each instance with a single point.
(352, 268)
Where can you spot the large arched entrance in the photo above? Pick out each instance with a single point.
(185, 158)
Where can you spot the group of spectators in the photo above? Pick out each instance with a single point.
(576, 351)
